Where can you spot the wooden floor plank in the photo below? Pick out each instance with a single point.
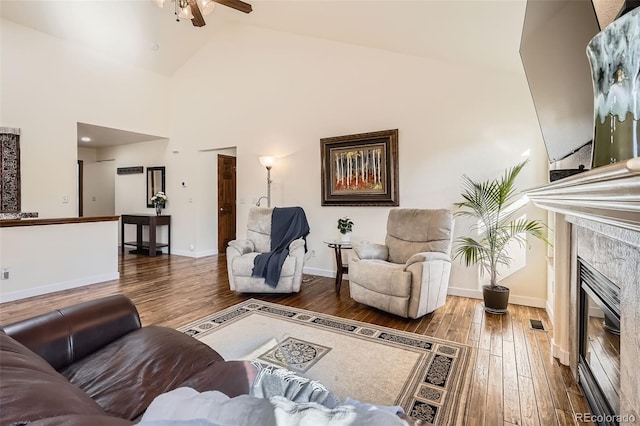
(510, 363)
(459, 328)
(510, 383)
(565, 418)
(445, 324)
(496, 333)
(527, 397)
(484, 342)
(520, 347)
(475, 330)
(507, 328)
(580, 408)
(495, 396)
(478, 398)
(554, 375)
(544, 400)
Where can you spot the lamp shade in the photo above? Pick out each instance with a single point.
(267, 161)
(159, 3)
(206, 6)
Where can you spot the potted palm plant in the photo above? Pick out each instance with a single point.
(488, 203)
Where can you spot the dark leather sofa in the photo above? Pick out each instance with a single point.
(93, 364)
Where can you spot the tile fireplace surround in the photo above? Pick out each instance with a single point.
(597, 217)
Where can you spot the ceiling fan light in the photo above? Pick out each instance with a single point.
(206, 6)
(185, 13)
(159, 3)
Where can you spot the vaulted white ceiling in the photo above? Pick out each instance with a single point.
(467, 32)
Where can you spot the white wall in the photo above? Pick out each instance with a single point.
(271, 93)
(48, 85)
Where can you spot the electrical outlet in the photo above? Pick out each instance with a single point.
(5, 274)
(313, 253)
(65, 199)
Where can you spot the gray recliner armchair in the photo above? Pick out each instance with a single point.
(241, 255)
(408, 275)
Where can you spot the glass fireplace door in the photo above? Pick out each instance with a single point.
(599, 363)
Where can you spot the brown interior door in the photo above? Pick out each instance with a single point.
(226, 201)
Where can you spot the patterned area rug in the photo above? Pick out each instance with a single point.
(428, 377)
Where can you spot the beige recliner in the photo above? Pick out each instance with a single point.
(409, 275)
(241, 254)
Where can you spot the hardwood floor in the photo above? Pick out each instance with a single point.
(516, 380)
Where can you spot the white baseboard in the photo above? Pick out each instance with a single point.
(320, 272)
(558, 352)
(528, 301)
(514, 299)
(64, 285)
(464, 292)
(205, 253)
(549, 310)
(185, 253)
(195, 254)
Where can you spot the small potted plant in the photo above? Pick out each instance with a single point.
(345, 226)
(159, 199)
(485, 202)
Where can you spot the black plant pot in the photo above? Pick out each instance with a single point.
(496, 299)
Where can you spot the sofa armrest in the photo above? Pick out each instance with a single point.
(298, 243)
(242, 246)
(66, 335)
(427, 256)
(372, 251)
(81, 420)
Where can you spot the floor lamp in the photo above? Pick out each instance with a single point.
(267, 162)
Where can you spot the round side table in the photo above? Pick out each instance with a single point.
(341, 268)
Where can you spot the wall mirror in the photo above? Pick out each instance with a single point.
(155, 182)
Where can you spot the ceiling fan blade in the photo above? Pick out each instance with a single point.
(197, 20)
(236, 4)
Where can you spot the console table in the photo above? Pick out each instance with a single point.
(152, 221)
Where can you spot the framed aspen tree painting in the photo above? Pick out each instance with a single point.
(360, 170)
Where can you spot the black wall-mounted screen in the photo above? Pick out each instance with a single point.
(553, 52)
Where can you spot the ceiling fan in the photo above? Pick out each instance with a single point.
(196, 9)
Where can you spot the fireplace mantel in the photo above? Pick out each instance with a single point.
(609, 194)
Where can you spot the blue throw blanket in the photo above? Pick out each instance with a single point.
(287, 224)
